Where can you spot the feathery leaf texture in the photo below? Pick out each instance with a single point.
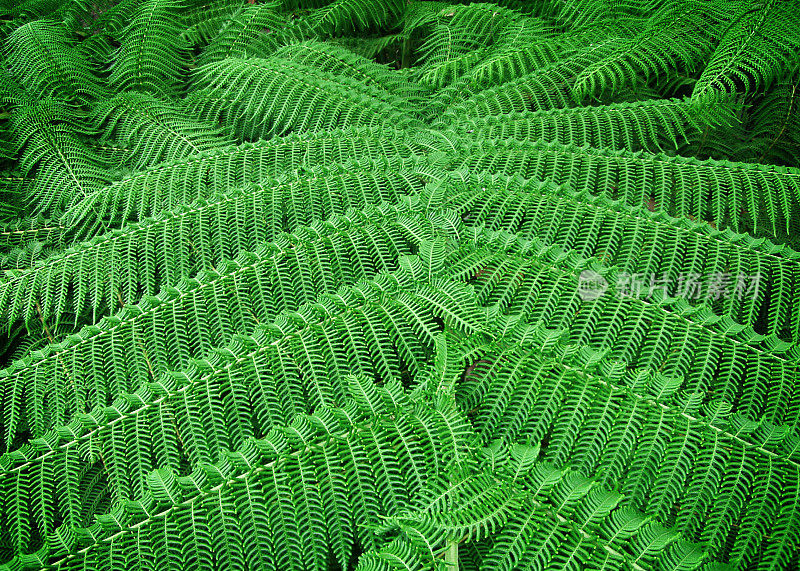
(202, 312)
(40, 56)
(400, 285)
(153, 131)
(759, 199)
(761, 39)
(258, 98)
(118, 267)
(152, 53)
(653, 125)
(63, 170)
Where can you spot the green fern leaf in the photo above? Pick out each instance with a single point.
(152, 56)
(152, 130)
(42, 58)
(275, 96)
(760, 42)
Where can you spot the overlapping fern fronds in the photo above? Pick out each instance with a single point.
(40, 56)
(760, 41)
(153, 131)
(152, 55)
(259, 98)
(384, 284)
(62, 170)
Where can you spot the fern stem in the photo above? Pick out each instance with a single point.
(451, 555)
(405, 54)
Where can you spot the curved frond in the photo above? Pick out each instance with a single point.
(63, 171)
(549, 87)
(760, 44)
(122, 265)
(41, 57)
(759, 199)
(152, 56)
(171, 183)
(265, 97)
(152, 130)
(650, 125)
(399, 284)
(376, 322)
(646, 329)
(341, 61)
(91, 369)
(346, 16)
(115, 206)
(638, 241)
(675, 38)
(486, 43)
(636, 439)
(241, 28)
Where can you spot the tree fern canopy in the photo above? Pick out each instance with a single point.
(400, 284)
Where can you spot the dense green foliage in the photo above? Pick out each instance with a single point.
(314, 284)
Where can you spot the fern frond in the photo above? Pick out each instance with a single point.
(372, 48)
(23, 230)
(244, 25)
(33, 9)
(484, 41)
(295, 31)
(171, 183)
(639, 432)
(580, 13)
(374, 321)
(547, 88)
(204, 20)
(24, 258)
(138, 259)
(123, 204)
(153, 130)
(773, 126)
(41, 57)
(642, 329)
(100, 25)
(759, 45)
(397, 554)
(399, 284)
(62, 169)
(14, 187)
(340, 61)
(516, 55)
(744, 197)
(269, 484)
(673, 38)
(540, 517)
(347, 16)
(152, 56)
(266, 97)
(649, 125)
(120, 353)
(636, 241)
